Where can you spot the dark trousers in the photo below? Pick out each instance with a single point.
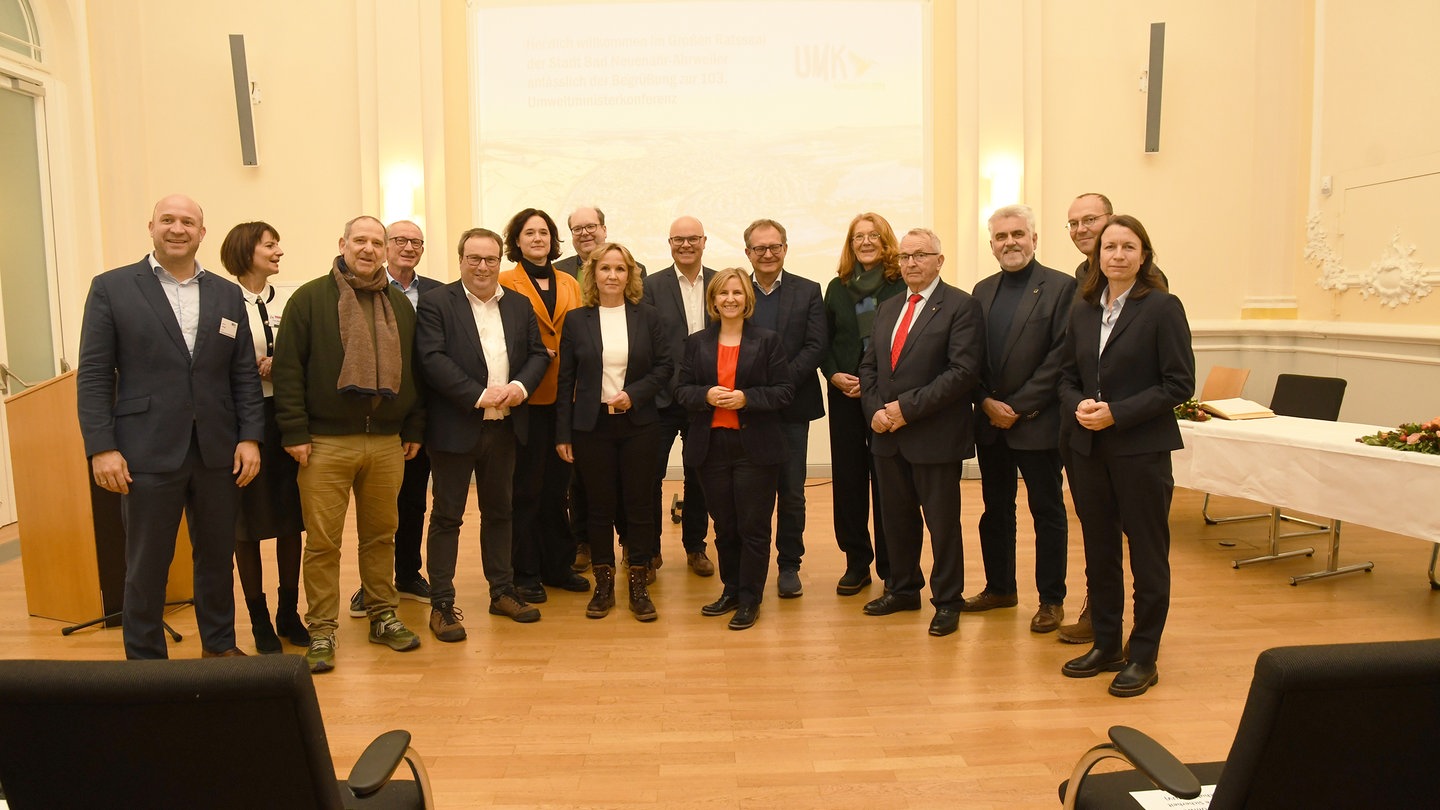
(1127, 495)
(790, 509)
(854, 487)
(492, 462)
(695, 519)
(579, 501)
(615, 462)
(414, 492)
(208, 498)
(1041, 468)
(543, 548)
(916, 497)
(741, 495)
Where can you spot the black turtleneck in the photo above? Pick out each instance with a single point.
(537, 272)
(1002, 311)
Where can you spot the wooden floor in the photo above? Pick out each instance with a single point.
(817, 706)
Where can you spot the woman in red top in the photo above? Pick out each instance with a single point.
(733, 382)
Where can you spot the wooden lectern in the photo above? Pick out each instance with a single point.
(72, 541)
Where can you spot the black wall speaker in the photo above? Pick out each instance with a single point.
(243, 110)
(1156, 78)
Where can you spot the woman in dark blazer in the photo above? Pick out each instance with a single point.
(869, 273)
(734, 381)
(613, 361)
(1128, 364)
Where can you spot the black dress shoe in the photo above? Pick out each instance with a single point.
(1134, 680)
(946, 621)
(744, 617)
(1093, 663)
(726, 603)
(569, 581)
(853, 582)
(891, 602)
(534, 594)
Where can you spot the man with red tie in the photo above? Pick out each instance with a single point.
(917, 380)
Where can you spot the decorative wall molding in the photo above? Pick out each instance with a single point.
(1395, 278)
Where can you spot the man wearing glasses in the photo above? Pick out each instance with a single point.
(403, 249)
(917, 380)
(479, 347)
(792, 306)
(587, 231)
(678, 293)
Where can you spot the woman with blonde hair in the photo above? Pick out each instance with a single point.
(613, 361)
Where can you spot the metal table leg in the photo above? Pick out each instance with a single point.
(1330, 561)
(1275, 552)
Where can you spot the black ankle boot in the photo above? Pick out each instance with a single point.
(287, 619)
(266, 642)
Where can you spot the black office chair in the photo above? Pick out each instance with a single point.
(217, 733)
(1325, 726)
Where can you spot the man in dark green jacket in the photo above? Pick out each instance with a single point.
(350, 413)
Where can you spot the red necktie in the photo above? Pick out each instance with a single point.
(903, 330)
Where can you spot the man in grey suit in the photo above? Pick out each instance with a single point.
(792, 306)
(1027, 308)
(917, 380)
(587, 232)
(480, 349)
(678, 293)
(171, 414)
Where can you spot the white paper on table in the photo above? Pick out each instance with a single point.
(1160, 800)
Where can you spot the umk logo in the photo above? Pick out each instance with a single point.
(829, 63)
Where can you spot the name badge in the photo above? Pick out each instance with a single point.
(228, 327)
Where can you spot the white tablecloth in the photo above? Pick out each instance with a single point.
(1316, 467)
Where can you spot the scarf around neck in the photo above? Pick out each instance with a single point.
(371, 359)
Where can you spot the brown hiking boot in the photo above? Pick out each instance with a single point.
(604, 596)
(1080, 632)
(640, 603)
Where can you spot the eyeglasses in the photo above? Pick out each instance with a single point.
(906, 258)
(472, 260)
(761, 250)
(677, 241)
(591, 228)
(1084, 222)
(862, 238)
(401, 241)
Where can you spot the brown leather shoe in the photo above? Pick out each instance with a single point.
(1047, 619)
(582, 558)
(1080, 632)
(233, 652)
(446, 621)
(989, 600)
(700, 564)
(510, 604)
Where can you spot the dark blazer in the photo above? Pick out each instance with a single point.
(934, 381)
(1028, 377)
(761, 372)
(447, 349)
(662, 291)
(1147, 368)
(802, 334)
(572, 264)
(139, 389)
(648, 367)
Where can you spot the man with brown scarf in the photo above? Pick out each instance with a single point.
(349, 413)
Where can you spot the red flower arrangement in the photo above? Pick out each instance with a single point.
(1415, 437)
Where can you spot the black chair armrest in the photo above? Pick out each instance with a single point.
(1149, 758)
(1152, 759)
(377, 765)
